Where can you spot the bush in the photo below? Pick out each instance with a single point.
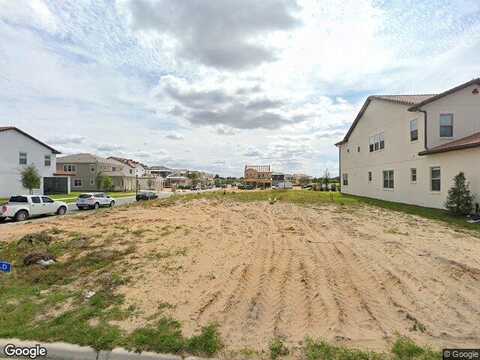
(30, 178)
(459, 200)
(277, 349)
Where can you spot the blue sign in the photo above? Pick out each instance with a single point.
(5, 267)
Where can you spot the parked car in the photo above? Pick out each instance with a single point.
(22, 207)
(94, 201)
(283, 185)
(146, 195)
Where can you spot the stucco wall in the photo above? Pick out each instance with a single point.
(400, 155)
(465, 107)
(11, 144)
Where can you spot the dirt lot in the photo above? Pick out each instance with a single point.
(260, 270)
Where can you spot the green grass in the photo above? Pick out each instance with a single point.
(402, 349)
(305, 197)
(40, 303)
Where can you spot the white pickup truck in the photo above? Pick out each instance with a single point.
(22, 207)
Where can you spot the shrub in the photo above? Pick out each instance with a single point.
(459, 200)
(30, 178)
(277, 349)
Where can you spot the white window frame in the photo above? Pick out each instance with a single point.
(440, 125)
(370, 176)
(22, 158)
(389, 176)
(47, 160)
(439, 178)
(70, 168)
(413, 130)
(412, 174)
(74, 183)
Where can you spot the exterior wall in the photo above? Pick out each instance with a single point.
(400, 155)
(465, 108)
(11, 144)
(84, 173)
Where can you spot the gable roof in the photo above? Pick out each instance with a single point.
(470, 141)
(7, 128)
(397, 99)
(83, 158)
(416, 100)
(445, 93)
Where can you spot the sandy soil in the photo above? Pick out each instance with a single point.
(260, 270)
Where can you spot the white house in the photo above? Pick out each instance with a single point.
(18, 150)
(408, 148)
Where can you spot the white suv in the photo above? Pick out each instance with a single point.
(94, 201)
(21, 207)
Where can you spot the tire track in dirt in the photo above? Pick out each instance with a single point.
(347, 288)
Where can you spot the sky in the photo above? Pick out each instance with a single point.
(216, 84)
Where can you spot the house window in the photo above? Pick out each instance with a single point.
(92, 168)
(22, 158)
(48, 160)
(77, 182)
(92, 181)
(376, 142)
(435, 178)
(413, 130)
(413, 175)
(369, 176)
(358, 148)
(69, 168)
(345, 179)
(446, 125)
(388, 179)
(114, 168)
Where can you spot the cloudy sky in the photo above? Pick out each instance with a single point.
(216, 84)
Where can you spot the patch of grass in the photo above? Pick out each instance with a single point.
(166, 337)
(277, 349)
(402, 349)
(306, 197)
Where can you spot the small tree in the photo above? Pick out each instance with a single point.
(150, 184)
(99, 180)
(326, 179)
(459, 199)
(30, 178)
(107, 183)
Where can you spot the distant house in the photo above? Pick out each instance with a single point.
(277, 178)
(408, 148)
(85, 170)
(161, 171)
(18, 150)
(177, 180)
(258, 175)
(140, 169)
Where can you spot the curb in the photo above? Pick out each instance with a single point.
(64, 351)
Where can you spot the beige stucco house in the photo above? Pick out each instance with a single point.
(84, 171)
(408, 148)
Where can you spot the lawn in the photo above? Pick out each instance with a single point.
(306, 197)
(72, 197)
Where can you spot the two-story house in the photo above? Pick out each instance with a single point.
(408, 148)
(258, 175)
(19, 150)
(86, 169)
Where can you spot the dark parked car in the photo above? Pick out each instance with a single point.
(147, 195)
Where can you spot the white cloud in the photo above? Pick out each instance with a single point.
(202, 86)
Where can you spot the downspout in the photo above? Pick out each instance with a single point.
(424, 128)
